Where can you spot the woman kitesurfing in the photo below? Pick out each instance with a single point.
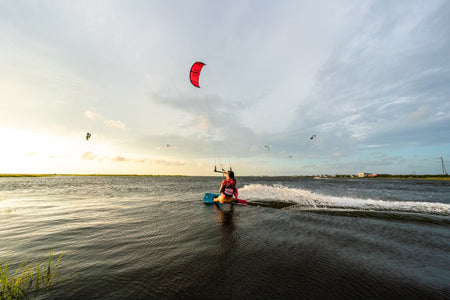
(228, 190)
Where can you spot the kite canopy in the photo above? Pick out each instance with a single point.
(195, 73)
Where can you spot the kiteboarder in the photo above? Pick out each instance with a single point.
(228, 189)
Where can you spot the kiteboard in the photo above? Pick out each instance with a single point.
(209, 198)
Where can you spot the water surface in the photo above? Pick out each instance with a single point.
(154, 238)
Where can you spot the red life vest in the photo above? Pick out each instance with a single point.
(229, 188)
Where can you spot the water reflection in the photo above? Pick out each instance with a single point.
(225, 216)
(226, 220)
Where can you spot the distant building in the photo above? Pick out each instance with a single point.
(367, 175)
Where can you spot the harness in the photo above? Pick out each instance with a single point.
(229, 187)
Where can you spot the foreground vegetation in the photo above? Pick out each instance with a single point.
(26, 175)
(411, 176)
(26, 278)
(435, 177)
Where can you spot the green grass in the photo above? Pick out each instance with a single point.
(99, 175)
(438, 178)
(26, 175)
(27, 278)
(412, 176)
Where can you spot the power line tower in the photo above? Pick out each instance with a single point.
(444, 171)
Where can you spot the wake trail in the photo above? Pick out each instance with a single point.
(310, 200)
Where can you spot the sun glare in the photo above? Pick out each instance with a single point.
(31, 152)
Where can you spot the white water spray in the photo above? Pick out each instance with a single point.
(307, 199)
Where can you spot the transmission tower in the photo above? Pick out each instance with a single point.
(444, 171)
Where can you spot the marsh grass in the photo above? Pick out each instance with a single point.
(94, 175)
(26, 278)
(26, 175)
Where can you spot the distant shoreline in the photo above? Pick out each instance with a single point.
(99, 175)
(383, 176)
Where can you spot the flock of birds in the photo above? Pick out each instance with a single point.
(88, 137)
(290, 156)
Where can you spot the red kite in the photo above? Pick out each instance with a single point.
(195, 73)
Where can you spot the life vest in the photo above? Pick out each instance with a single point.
(229, 187)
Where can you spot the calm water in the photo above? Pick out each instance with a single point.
(154, 238)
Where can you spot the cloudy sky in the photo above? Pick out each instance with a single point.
(370, 79)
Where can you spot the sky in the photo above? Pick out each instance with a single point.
(370, 79)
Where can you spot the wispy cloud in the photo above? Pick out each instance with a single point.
(422, 113)
(119, 158)
(92, 115)
(115, 124)
(90, 156)
(110, 123)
